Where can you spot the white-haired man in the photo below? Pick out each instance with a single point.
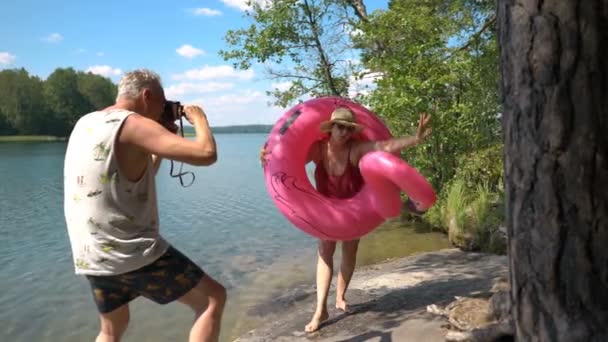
(111, 208)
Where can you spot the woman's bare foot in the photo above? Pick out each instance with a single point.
(342, 305)
(316, 321)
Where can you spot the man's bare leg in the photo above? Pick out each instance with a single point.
(207, 300)
(349, 260)
(113, 324)
(324, 273)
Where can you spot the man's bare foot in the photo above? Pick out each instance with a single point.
(316, 321)
(342, 305)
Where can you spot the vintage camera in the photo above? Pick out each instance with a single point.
(173, 111)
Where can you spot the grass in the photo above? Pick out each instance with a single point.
(454, 214)
(470, 217)
(29, 138)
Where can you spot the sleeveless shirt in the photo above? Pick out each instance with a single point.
(112, 223)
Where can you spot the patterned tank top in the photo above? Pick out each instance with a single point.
(112, 223)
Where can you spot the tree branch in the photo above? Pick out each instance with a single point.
(474, 37)
(359, 8)
(278, 74)
(326, 65)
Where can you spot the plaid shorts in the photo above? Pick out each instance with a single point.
(168, 278)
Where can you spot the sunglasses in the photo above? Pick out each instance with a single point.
(344, 127)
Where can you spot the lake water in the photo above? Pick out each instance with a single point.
(225, 222)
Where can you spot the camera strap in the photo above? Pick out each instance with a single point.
(181, 173)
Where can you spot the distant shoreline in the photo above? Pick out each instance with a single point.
(234, 129)
(30, 138)
(188, 132)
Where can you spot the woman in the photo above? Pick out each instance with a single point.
(337, 175)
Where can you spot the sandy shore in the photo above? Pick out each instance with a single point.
(388, 300)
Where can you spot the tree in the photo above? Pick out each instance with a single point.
(554, 84)
(64, 100)
(99, 91)
(21, 102)
(302, 42)
(441, 57)
(5, 126)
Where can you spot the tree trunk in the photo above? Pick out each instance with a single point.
(555, 97)
(323, 60)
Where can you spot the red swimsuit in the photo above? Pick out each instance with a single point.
(344, 186)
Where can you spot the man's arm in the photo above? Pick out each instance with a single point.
(155, 139)
(156, 160)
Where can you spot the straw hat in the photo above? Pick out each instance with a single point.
(343, 116)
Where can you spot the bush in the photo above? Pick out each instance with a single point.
(470, 209)
(472, 219)
(482, 167)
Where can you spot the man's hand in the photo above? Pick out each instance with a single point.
(194, 113)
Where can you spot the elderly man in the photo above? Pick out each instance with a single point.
(112, 214)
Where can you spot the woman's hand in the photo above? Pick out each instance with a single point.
(263, 155)
(423, 130)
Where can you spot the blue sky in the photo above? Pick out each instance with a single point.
(177, 39)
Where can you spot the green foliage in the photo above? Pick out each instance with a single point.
(454, 212)
(470, 216)
(99, 91)
(21, 102)
(484, 166)
(304, 43)
(5, 127)
(64, 100)
(471, 208)
(31, 106)
(486, 215)
(442, 58)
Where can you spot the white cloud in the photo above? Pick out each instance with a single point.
(207, 73)
(104, 70)
(189, 51)
(53, 38)
(364, 85)
(185, 88)
(242, 4)
(208, 12)
(356, 33)
(281, 86)
(351, 31)
(7, 58)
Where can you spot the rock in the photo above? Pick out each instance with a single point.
(483, 318)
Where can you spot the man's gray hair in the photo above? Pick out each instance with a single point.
(134, 82)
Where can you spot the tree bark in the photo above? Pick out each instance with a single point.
(359, 7)
(554, 66)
